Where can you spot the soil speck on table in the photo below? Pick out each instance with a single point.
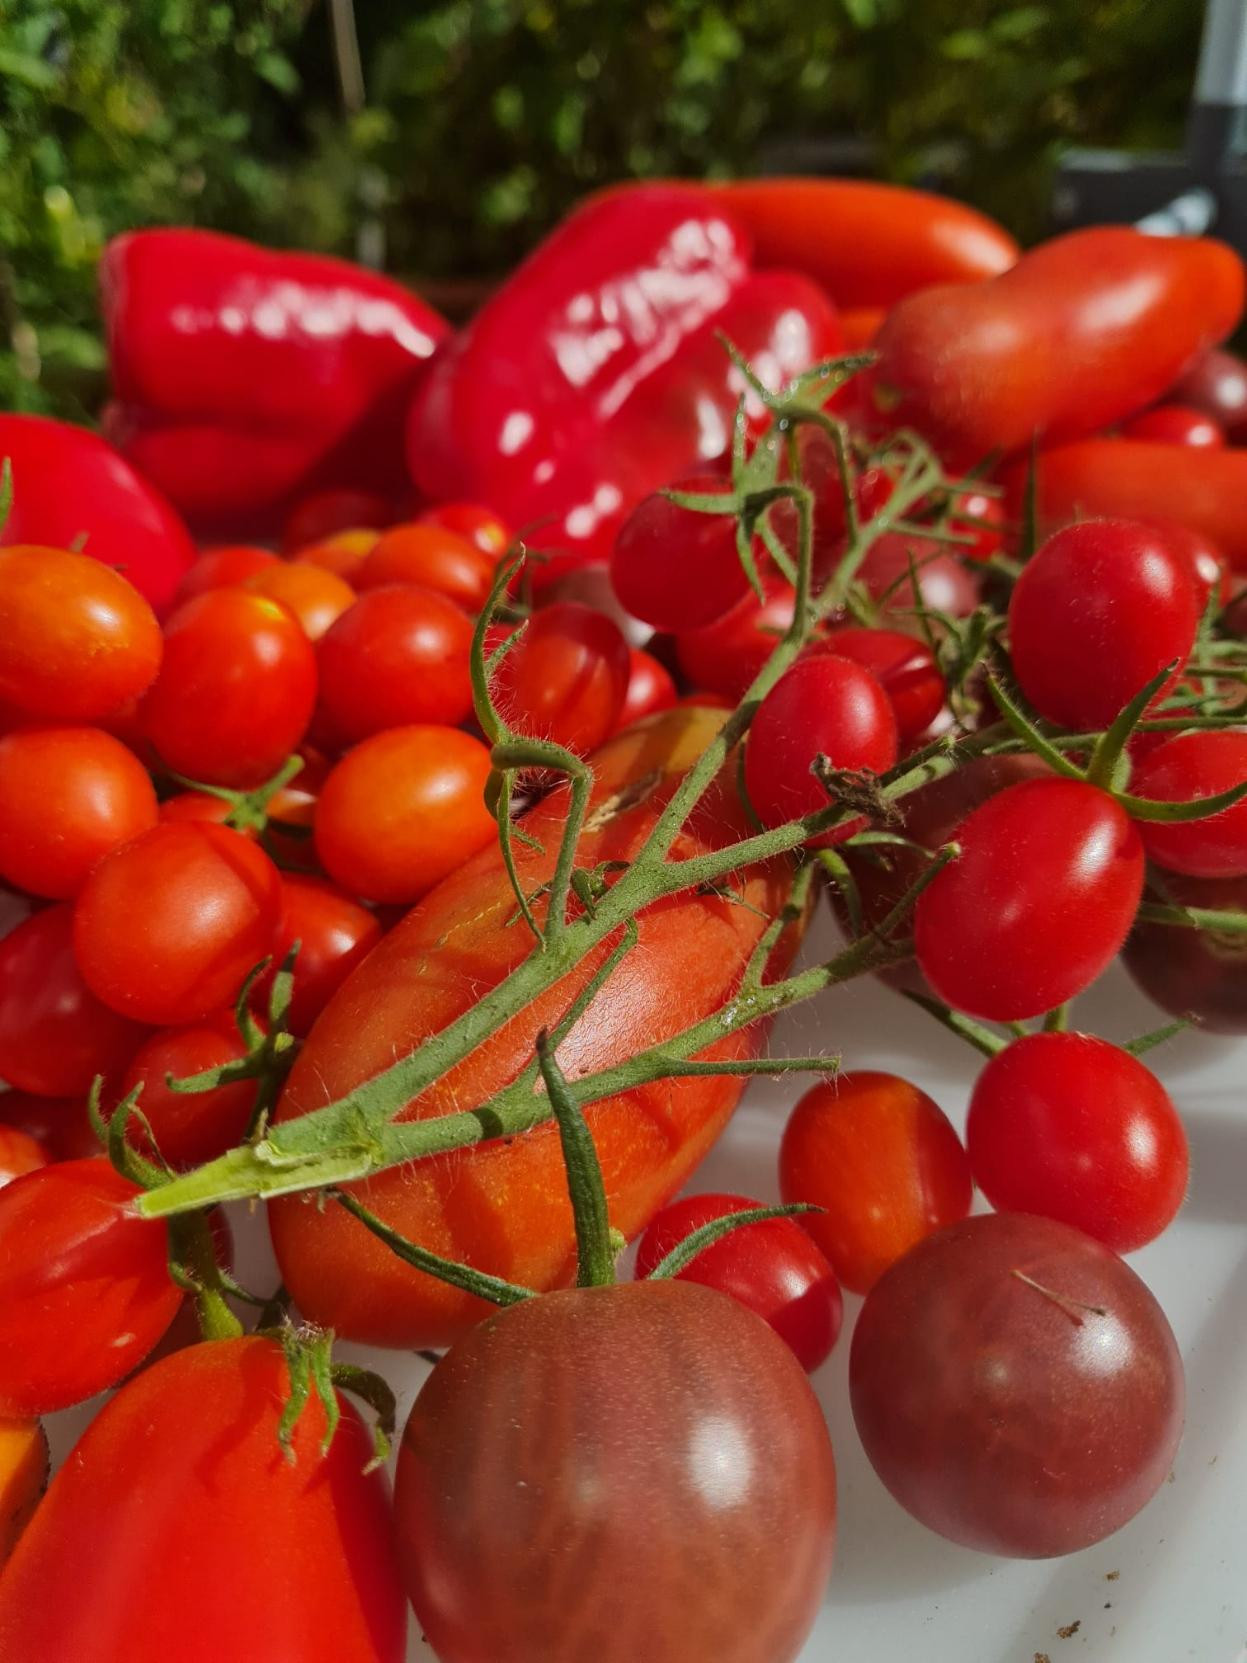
(1069, 1631)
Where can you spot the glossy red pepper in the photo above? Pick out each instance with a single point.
(595, 375)
(1082, 331)
(68, 483)
(244, 376)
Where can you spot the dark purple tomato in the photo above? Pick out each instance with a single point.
(1200, 975)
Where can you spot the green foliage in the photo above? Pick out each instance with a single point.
(486, 119)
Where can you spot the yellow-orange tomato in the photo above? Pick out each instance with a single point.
(343, 553)
(313, 593)
(23, 1477)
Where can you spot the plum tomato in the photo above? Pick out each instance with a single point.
(475, 523)
(189, 1127)
(402, 810)
(67, 796)
(235, 691)
(77, 642)
(167, 927)
(431, 557)
(1070, 1127)
(905, 668)
(1016, 1386)
(882, 1160)
(316, 597)
(566, 678)
(823, 706)
(650, 688)
(724, 657)
(1199, 975)
(1186, 767)
(1102, 607)
(678, 568)
(398, 656)
(325, 514)
(222, 568)
(1176, 424)
(944, 582)
(772, 1267)
(334, 933)
(1037, 903)
(85, 1291)
(19, 1153)
(661, 1426)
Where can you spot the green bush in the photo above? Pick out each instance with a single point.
(485, 119)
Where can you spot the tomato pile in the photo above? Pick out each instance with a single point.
(431, 866)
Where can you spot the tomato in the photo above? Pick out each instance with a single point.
(402, 810)
(19, 1153)
(190, 1127)
(399, 656)
(860, 325)
(1016, 1386)
(334, 933)
(474, 522)
(1073, 1128)
(883, 1162)
(678, 568)
(433, 558)
(85, 1291)
(323, 514)
(55, 1035)
(1037, 903)
(566, 679)
(1200, 975)
(823, 706)
(342, 554)
(24, 1463)
(215, 1546)
(77, 642)
(15, 909)
(903, 666)
(1206, 560)
(980, 515)
(316, 597)
(60, 1126)
(167, 926)
(662, 1427)
(503, 1205)
(1175, 424)
(1183, 769)
(223, 567)
(1216, 383)
(650, 688)
(773, 1268)
(943, 582)
(1101, 608)
(724, 657)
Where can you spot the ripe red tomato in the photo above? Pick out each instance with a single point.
(944, 582)
(402, 810)
(316, 597)
(334, 933)
(662, 1425)
(903, 666)
(980, 515)
(822, 706)
(674, 567)
(1101, 608)
(24, 1463)
(1200, 975)
(222, 568)
(773, 1268)
(1189, 766)
(190, 1127)
(59, 1125)
(325, 514)
(724, 657)
(650, 688)
(167, 927)
(215, 1546)
(67, 796)
(1207, 561)
(55, 1035)
(1073, 1128)
(479, 525)
(1016, 1386)
(342, 554)
(883, 1162)
(85, 1291)
(399, 656)
(1175, 424)
(77, 642)
(431, 557)
(1037, 903)
(1217, 384)
(566, 678)
(19, 1153)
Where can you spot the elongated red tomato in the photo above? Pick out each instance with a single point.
(503, 1206)
(215, 1546)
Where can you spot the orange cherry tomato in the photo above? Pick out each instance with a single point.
(343, 553)
(315, 595)
(479, 525)
(433, 557)
(222, 567)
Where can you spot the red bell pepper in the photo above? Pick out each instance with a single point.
(244, 376)
(595, 376)
(68, 483)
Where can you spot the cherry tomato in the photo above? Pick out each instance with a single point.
(773, 1268)
(433, 558)
(1175, 424)
(669, 1432)
(324, 514)
(15, 909)
(24, 1463)
(1183, 769)
(399, 656)
(650, 688)
(235, 691)
(334, 933)
(316, 597)
(1206, 559)
(1217, 384)
(566, 678)
(190, 1127)
(167, 926)
(402, 810)
(882, 1161)
(980, 515)
(1037, 903)
(77, 642)
(903, 666)
(1073, 1128)
(55, 1035)
(724, 657)
(19, 1153)
(342, 554)
(1101, 608)
(222, 568)
(678, 568)
(944, 583)
(823, 706)
(474, 522)
(1200, 975)
(1016, 1386)
(59, 1125)
(85, 1291)
(305, 1547)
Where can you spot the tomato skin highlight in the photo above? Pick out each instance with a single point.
(1175, 424)
(316, 597)
(1188, 766)
(304, 1549)
(650, 688)
(604, 1413)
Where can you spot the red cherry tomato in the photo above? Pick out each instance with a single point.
(1037, 903)
(1184, 768)
(316, 597)
(402, 810)
(725, 656)
(650, 688)
(67, 796)
(317, 517)
(472, 521)
(945, 584)
(222, 568)
(1175, 424)
(1101, 608)
(19, 1153)
(1016, 1386)
(342, 554)
(77, 642)
(55, 1035)
(59, 1125)
(1207, 561)
(167, 927)
(399, 656)
(1073, 1128)
(822, 706)
(677, 568)
(669, 1432)
(334, 933)
(190, 1127)
(566, 678)
(773, 1268)
(431, 557)
(903, 666)
(980, 515)
(85, 1291)
(882, 1161)
(235, 691)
